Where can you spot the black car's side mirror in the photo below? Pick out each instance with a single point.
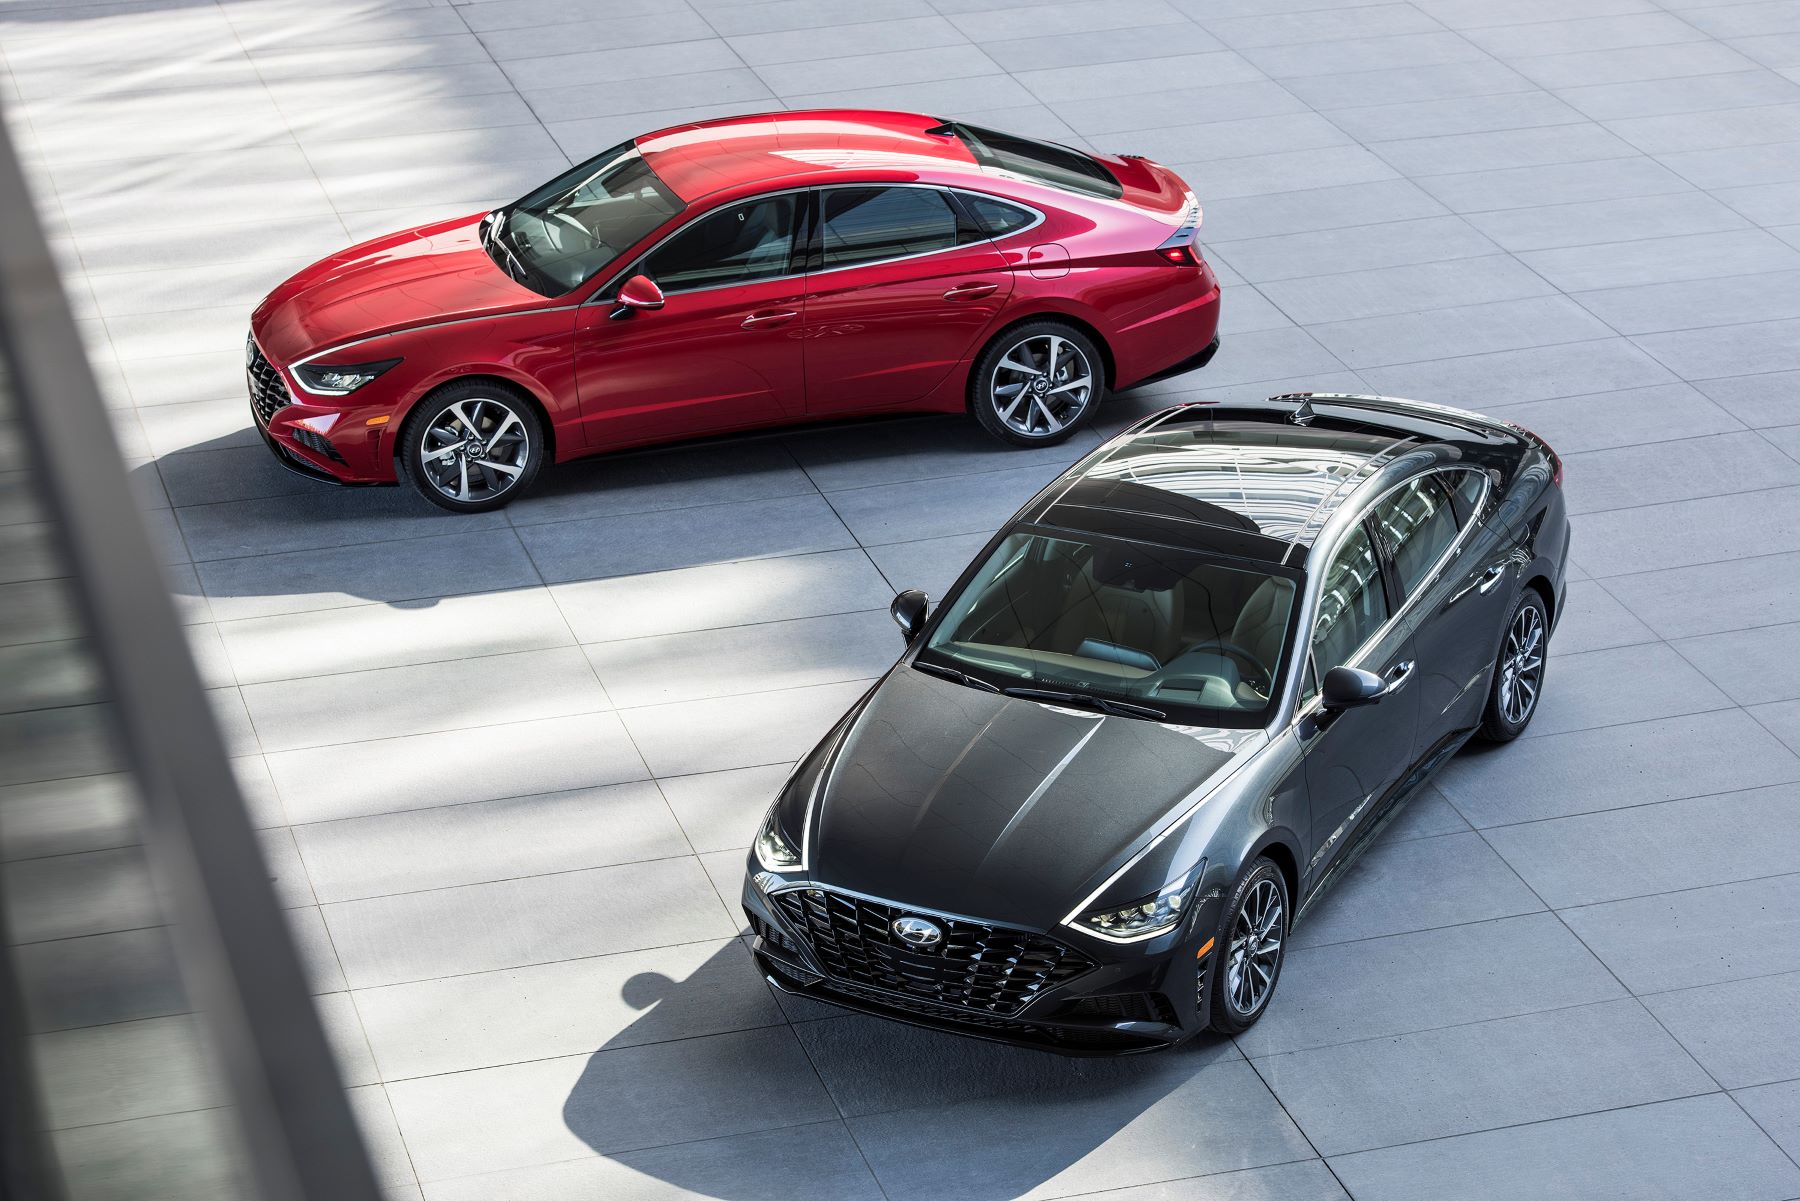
(908, 612)
(638, 292)
(1348, 687)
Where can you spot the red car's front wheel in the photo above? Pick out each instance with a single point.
(473, 446)
(1037, 384)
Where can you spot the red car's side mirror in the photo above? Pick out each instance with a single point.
(638, 292)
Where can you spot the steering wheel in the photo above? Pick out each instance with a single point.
(1231, 650)
(558, 229)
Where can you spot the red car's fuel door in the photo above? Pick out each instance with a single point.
(902, 287)
(723, 350)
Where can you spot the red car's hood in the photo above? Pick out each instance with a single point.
(433, 273)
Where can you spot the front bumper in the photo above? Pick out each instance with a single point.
(1126, 1001)
(348, 451)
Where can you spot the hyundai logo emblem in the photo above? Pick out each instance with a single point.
(917, 932)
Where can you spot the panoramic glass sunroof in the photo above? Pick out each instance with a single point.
(1276, 478)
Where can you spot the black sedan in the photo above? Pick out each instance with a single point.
(1163, 709)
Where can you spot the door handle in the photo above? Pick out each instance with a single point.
(769, 317)
(1397, 677)
(1490, 579)
(969, 291)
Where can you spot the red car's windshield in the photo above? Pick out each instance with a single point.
(574, 227)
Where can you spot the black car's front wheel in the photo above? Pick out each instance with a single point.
(470, 447)
(1246, 959)
(1037, 384)
(1519, 671)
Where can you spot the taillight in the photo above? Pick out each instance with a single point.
(1183, 246)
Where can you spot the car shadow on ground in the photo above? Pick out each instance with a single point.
(880, 1075)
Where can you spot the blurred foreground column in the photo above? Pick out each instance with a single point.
(157, 1039)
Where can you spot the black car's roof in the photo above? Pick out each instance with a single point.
(1250, 480)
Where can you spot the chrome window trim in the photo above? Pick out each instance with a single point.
(606, 291)
(1348, 517)
(1038, 217)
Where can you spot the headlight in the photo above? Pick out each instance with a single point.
(338, 379)
(773, 851)
(1155, 914)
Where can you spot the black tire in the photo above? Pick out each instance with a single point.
(1040, 406)
(1235, 1008)
(488, 409)
(1518, 683)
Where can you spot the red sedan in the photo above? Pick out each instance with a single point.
(730, 275)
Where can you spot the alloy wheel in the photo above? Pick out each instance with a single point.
(475, 450)
(1041, 385)
(1522, 665)
(1254, 954)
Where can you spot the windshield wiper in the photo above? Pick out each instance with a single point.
(961, 677)
(1088, 700)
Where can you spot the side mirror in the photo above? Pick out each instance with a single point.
(638, 292)
(1348, 687)
(908, 612)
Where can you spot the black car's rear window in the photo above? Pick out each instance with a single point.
(1046, 162)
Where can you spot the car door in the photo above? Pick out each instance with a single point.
(724, 350)
(1354, 756)
(903, 285)
(1454, 589)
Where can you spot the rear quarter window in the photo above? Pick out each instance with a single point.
(997, 218)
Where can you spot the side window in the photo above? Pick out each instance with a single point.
(1352, 604)
(740, 242)
(1468, 487)
(997, 217)
(1418, 525)
(866, 225)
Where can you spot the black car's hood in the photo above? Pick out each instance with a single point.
(966, 802)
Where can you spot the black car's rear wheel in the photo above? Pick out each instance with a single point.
(1247, 954)
(472, 446)
(1519, 671)
(1037, 384)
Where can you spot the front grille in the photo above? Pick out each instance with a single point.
(268, 394)
(977, 967)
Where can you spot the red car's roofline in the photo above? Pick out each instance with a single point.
(703, 157)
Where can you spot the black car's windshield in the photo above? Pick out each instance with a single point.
(578, 224)
(1171, 631)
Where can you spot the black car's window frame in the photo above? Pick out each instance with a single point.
(1393, 546)
(1402, 610)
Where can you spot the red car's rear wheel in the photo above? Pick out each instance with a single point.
(1037, 384)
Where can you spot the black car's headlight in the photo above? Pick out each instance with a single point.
(338, 379)
(1155, 914)
(773, 850)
